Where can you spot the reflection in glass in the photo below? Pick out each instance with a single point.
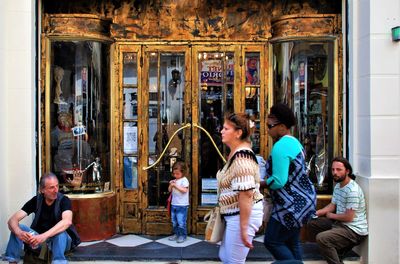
(166, 115)
(130, 172)
(303, 79)
(79, 115)
(216, 82)
(252, 95)
(130, 103)
(130, 69)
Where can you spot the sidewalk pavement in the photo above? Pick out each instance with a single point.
(187, 262)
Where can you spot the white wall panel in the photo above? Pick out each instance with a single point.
(17, 99)
(384, 16)
(382, 86)
(364, 126)
(363, 25)
(363, 94)
(385, 140)
(364, 61)
(385, 167)
(384, 56)
(375, 151)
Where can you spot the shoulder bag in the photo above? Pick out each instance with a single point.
(215, 226)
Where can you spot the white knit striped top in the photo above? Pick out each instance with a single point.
(240, 173)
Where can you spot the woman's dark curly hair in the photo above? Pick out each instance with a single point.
(284, 114)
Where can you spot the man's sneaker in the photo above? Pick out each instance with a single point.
(173, 238)
(181, 239)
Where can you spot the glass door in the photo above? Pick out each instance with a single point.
(165, 75)
(215, 73)
(164, 102)
(222, 83)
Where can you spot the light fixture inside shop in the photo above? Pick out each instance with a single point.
(250, 91)
(396, 33)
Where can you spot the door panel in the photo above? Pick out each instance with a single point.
(166, 77)
(128, 185)
(254, 92)
(160, 94)
(216, 72)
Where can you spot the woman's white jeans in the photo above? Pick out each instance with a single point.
(232, 250)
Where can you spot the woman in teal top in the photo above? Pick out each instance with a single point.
(292, 192)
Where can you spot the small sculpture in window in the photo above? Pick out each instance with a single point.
(58, 76)
(96, 170)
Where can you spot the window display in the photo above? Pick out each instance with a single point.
(252, 96)
(130, 108)
(303, 79)
(216, 82)
(79, 118)
(166, 115)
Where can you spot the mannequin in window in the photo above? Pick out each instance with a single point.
(174, 102)
(61, 143)
(71, 153)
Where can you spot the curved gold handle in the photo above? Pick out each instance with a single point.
(172, 137)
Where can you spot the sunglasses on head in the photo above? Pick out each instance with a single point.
(272, 125)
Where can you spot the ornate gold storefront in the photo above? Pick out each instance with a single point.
(135, 73)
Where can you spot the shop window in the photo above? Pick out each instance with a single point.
(166, 115)
(130, 96)
(252, 95)
(79, 116)
(216, 82)
(303, 78)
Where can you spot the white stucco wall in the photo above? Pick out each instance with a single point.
(17, 108)
(374, 121)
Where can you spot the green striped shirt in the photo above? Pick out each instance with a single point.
(351, 196)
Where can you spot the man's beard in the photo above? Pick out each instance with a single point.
(339, 179)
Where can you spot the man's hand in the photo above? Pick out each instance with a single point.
(13, 225)
(330, 215)
(327, 209)
(24, 236)
(36, 240)
(319, 213)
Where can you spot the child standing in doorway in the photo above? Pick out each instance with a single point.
(180, 201)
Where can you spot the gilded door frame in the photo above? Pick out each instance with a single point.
(199, 211)
(129, 209)
(239, 49)
(155, 220)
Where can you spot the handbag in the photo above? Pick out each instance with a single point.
(267, 204)
(169, 200)
(215, 225)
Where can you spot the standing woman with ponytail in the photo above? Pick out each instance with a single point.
(240, 199)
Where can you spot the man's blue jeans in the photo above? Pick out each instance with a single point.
(178, 217)
(284, 244)
(58, 245)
